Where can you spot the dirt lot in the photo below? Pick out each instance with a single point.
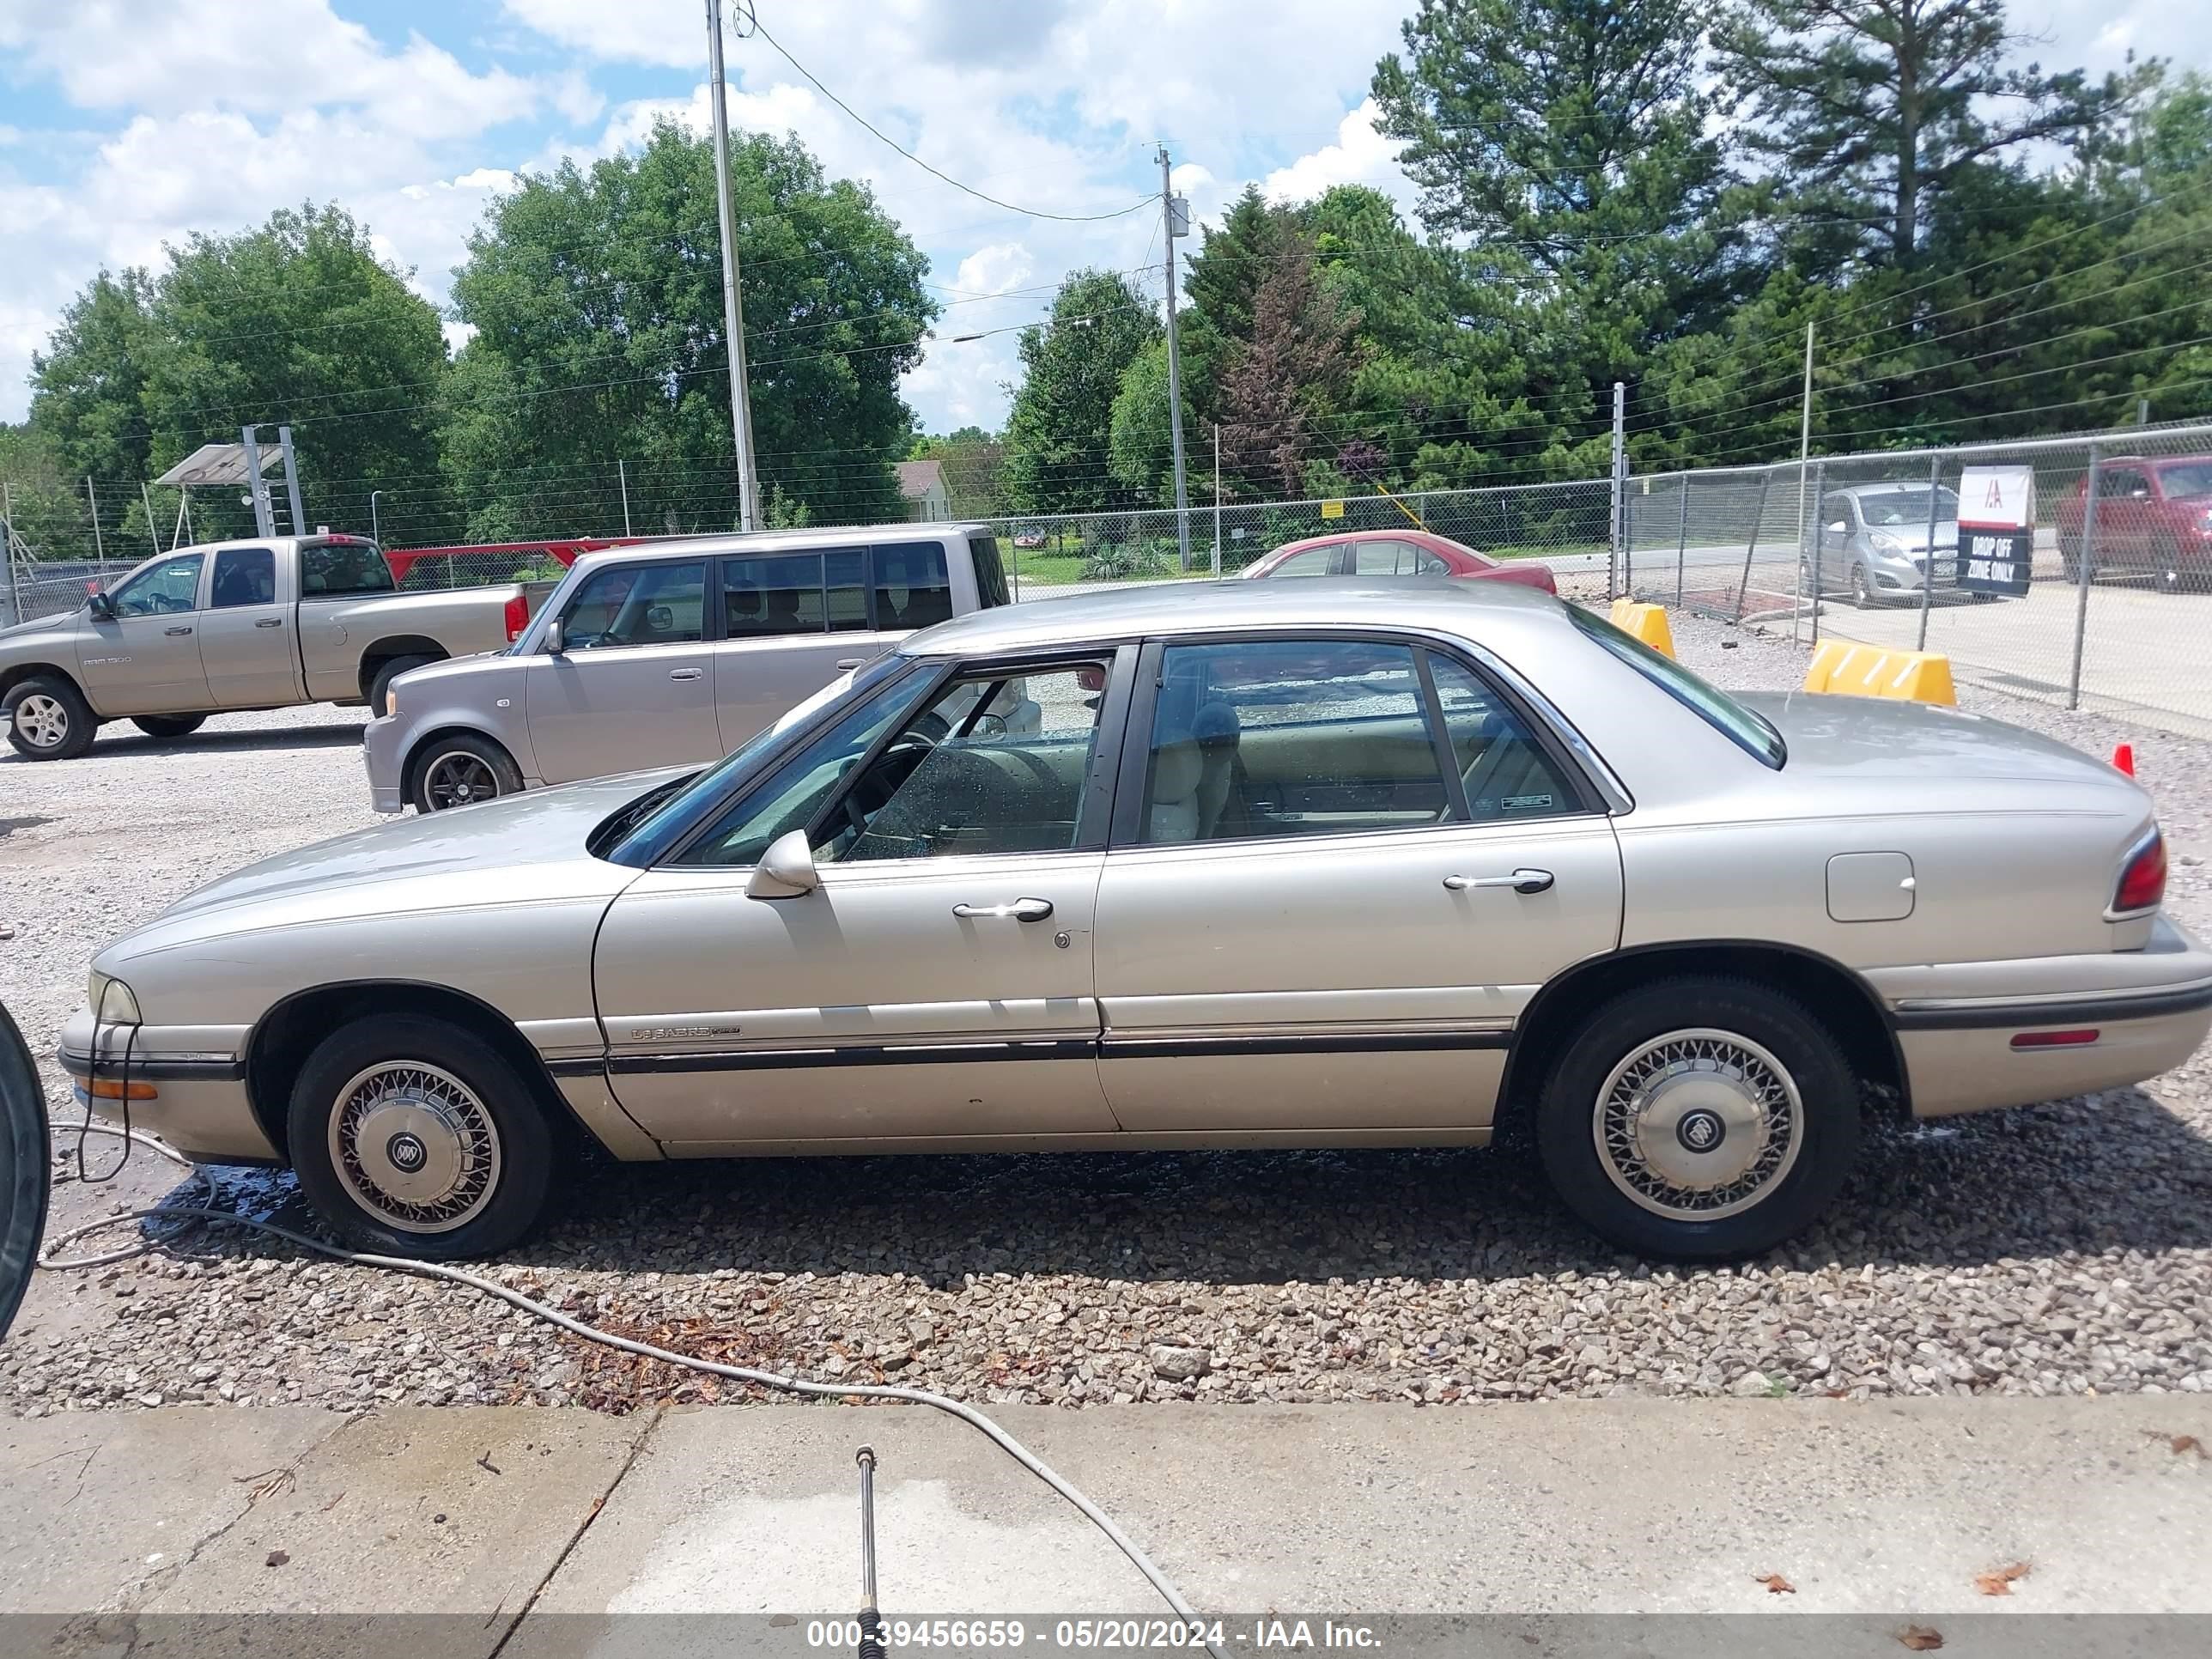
(2062, 1248)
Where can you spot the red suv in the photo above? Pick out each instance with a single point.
(2154, 516)
(1398, 553)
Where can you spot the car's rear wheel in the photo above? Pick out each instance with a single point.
(382, 681)
(459, 769)
(168, 725)
(1699, 1118)
(413, 1136)
(48, 718)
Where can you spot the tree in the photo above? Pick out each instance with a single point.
(596, 300)
(1280, 392)
(1870, 110)
(1059, 431)
(1568, 138)
(974, 463)
(89, 385)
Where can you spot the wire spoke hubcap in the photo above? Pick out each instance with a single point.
(1699, 1124)
(457, 779)
(42, 721)
(414, 1147)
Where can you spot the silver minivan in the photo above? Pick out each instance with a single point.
(671, 653)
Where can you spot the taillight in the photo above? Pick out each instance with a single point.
(517, 617)
(2143, 884)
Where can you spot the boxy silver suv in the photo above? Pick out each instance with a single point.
(670, 654)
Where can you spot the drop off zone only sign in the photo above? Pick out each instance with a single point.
(1996, 529)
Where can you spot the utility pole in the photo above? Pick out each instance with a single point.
(1804, 452)
(1619, 488)
(8, 552)
(622, 481)
(733, 310)
(1171, 207)
(375, 529)
(1217, 498)
(153, 528)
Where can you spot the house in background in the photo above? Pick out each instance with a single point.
(922, 485)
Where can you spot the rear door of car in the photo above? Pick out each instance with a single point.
(247, 642)
(1341, 866)
(634, 686)
(2125, 517)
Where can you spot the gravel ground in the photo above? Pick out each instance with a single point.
(2056, 1250)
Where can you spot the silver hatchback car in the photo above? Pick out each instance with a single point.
(1876, 545)
(1330, 863)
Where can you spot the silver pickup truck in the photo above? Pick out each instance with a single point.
(231, 626)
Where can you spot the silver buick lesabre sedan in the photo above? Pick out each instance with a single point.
(1265, 863)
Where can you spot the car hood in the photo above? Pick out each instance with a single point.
(56, 622)
(1870, 738)
(389, 865)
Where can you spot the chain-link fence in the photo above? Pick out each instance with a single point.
(42, 588)
(1867, 547)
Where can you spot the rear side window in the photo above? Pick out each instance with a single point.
(763, 598)
(333, 570)
(990, 572)
(243, 575)
(912, 587)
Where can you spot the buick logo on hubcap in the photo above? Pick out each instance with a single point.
(407, 1153)
(1700, 1131)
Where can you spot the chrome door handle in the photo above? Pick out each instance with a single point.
(176, 631)
(685, 674)
(1022, 909)
(1521, 881)
(844, 663)
(271, 622)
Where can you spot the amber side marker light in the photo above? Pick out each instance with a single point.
(108, 1088)
(2055, 1039)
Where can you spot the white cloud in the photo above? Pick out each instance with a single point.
(994, 270)
(1360, 155)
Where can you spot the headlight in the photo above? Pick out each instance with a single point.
(1889, 545)
(111, 1000)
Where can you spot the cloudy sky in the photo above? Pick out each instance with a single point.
(126, 124)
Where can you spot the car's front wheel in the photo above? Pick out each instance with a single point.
(459, 769)
(413, 1137)
(48, 718)
(1862, 594)
(1699, 1118)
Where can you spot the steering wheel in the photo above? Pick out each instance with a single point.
(871, 793)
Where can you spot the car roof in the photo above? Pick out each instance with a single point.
(1488, 613)
(763, 543)
(1399, 533)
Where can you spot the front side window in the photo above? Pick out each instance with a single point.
(1290, 737)
(1751, 731)
(330, 570)
(913, 589)
(2121, 483)
(636, 604)
(161, 590)
(769, 598)
(243, 575)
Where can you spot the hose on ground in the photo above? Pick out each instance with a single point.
(976, 1420)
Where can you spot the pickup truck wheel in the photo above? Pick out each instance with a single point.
(461, 769)
(1699, 1118)
(381, 682)
(168, 725)
(412, 1136)
(48, 720)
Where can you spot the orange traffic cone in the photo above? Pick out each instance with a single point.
(2124, 757)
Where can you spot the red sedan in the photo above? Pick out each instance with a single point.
(1397, 553)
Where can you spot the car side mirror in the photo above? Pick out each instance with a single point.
(786, 869)
(557, 637)
(1840, 527)
(100, 605)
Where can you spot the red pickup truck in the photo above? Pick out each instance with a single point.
(2154, 518)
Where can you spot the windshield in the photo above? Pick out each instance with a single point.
(651, 833)
(2188, 478)
(1891, 507)
(1751, 731)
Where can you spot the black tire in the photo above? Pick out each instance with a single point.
(1569, 1114)
(1862, 594)
(2070, 560)
(499, 1118)
(168, 725)
(2166, 561)
(459, 769)
(48, 718)
(381, 682)
(25, 1154)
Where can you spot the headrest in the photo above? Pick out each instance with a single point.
(1215, 725)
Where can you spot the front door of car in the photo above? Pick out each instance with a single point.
(2123, 519)
(634, 684)
(934, 978)
(145, 658)
(246, 632)
(1351, 866)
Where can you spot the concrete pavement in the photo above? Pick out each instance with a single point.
(523, 1519)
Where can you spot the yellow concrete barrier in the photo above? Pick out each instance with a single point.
(1647, 622)
(1852, 669)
